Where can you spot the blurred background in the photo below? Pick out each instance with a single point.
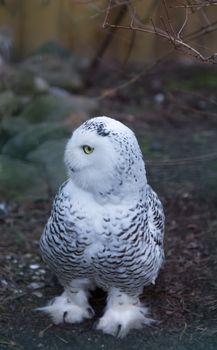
(152, 65)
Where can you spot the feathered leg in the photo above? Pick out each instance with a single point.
(72, 306)
(122, 314)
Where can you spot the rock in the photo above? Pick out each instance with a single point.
(36, 285)
(37, 294)
(55, 70)
(53, 57)
(6, 209)
(20, 180)
(87, 105)
(81, 64)
(19, 81)
(4, 137)
(50, 156)
(68, 79)
(9, 103)
(47, 108)
(53, 48)
(159, 98)
(59, 92)
(41, 85)
(28, 140)
(53, 107)
(34, 266)
(14, 125)
(6, 43)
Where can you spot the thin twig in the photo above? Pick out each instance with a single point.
(168, 31)
(41, 333)
(197, 5)
(184, 23)
(133, 16)
(147, 69)
(179, 43)
(202, 31)
(182, 161)
(168, 34)
(110, 34)
(204, 15)
(168, 18)
(107, 14)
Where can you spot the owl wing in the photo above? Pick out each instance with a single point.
(156, 218)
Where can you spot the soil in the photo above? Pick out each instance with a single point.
(184, 298)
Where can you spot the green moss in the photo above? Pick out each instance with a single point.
(31, 138)
(198, 80)
(149, 147)
(48, 107)
(21, 180)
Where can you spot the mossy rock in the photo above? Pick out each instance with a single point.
(4, 137)
(46, 108)
(31, 138)
(9, 103)
(14, 125)
(55, 70)
(194, 78)
(18, 81)
(54, 48)
(57, 108)
(21, 180)
(50, 156)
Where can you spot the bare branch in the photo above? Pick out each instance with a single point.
(204, 15)
(202, 31)
(136, 77)
(198, 4)
(168, 18)
(184, 23)
(105, 23)
(168, 32)
(182, 161)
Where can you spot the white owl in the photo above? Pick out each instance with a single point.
(105, 230)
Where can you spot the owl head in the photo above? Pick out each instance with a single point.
(103, 157)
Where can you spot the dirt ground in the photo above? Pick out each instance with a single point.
(177, 130)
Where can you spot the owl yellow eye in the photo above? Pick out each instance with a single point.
(87, 149)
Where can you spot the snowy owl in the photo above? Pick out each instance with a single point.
(105, 230)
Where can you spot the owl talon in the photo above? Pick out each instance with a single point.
(91, 312)
(64, 316)
(119, 330)
(63, 310)
(120, 318)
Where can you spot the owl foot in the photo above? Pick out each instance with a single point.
(64, 309)
(122, 314)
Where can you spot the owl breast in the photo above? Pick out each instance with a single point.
(109, 244)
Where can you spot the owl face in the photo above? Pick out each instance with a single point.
(86, 151)
(102, 154)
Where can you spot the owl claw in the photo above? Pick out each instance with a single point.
(63, 311)
(91, 312)
(64, 316)
(118, 320)
(119, 330)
